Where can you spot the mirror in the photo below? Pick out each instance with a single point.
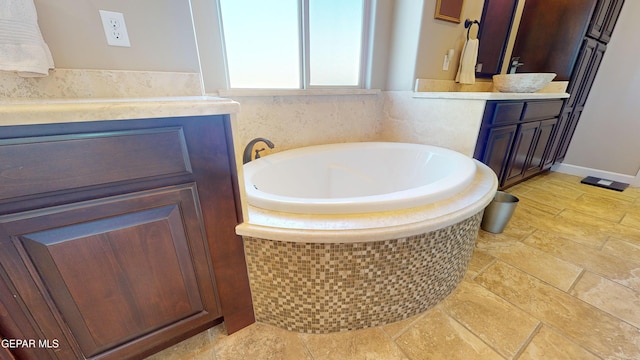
(548, 39)
(495, 27)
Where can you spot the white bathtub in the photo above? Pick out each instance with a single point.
(356, 178)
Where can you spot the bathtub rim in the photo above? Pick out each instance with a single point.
(366, 227)
(456, 180)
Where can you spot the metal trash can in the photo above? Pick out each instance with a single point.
(498, 213)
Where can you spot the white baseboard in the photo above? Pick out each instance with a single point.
(584, 172)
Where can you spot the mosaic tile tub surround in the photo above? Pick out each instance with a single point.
(329, 287)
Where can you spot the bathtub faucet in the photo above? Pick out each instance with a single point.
(246, 157)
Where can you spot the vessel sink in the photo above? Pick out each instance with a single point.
(522, 83)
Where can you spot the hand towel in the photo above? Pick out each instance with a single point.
(22, 48)
(468, 58)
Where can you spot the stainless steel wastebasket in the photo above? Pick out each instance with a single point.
(499, 212)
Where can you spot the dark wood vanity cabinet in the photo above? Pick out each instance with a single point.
(117, 237)
(517, 138)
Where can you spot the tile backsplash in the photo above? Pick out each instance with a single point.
(82, 84)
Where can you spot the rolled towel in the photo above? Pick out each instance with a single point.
(468, 59)
(22, 48)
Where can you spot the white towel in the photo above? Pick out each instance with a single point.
(22, 48)
(468, 58)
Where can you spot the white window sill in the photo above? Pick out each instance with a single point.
(294, 92)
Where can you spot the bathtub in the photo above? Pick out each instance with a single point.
(356, 178)
(348, 236)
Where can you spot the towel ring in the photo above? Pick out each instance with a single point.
(467, 25)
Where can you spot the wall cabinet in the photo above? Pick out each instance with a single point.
(517, 138)
(592, 50)
(117, 237)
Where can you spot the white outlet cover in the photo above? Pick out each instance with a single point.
(115, 30)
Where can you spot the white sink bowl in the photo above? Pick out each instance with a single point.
(522, 83)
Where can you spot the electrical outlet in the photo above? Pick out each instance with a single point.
(115, 30)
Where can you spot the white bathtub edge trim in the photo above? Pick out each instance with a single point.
(374, 226)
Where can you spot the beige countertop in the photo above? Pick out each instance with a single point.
(46, 111)
(488, 95)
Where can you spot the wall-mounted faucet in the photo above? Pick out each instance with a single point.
(248, 150)
(515, 64)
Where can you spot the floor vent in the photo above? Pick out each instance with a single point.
(604, 183)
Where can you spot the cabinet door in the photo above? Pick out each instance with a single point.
(120, 275)
(526, 137)
(570, 128)
(612, 17)
(590, 76)
(580, 71)
(599, 19)
(542, 147)
(556, 141)
(499, 142)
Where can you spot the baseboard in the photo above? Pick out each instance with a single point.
(584, 172)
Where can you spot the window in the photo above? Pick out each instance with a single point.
(293, 44)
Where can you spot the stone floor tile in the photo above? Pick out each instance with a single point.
(626, 273)
(557, 272)
(498, 323)
(260, 342)
(600, 206)
(553, 186)
(367, 344)
(549, 200)
(397, 328)
(617, 300)
(531, 201)
(591, 328)
(622, 249)
(438, 336)
(188, 348)
(631, 220)
(548, 344)
(479, 261)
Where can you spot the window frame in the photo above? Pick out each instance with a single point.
(304, 50)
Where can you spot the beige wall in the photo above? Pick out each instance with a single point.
(160, 31)
(607, 135)
(438, 36)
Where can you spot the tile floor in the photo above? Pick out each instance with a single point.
(561, 282)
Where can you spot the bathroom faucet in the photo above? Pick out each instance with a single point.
(515, 64)
(246, 156)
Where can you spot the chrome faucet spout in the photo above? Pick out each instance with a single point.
(248, 150)
(515, 64)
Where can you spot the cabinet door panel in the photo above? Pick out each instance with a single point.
(590, 76)
(42, 164)
(580, 71)
(570, 128)
(119, 269)
(543, 144)
(499, 142)
(522, 148)
(599, 19)
(612, 17)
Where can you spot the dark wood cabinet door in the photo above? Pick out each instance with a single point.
(570, 128)
(497, 149)
(612, 18)
(590, 75)
(599, 19)
(580, 71)
(546, 130)
(120, 275)
(526, 138)
(561, 126)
